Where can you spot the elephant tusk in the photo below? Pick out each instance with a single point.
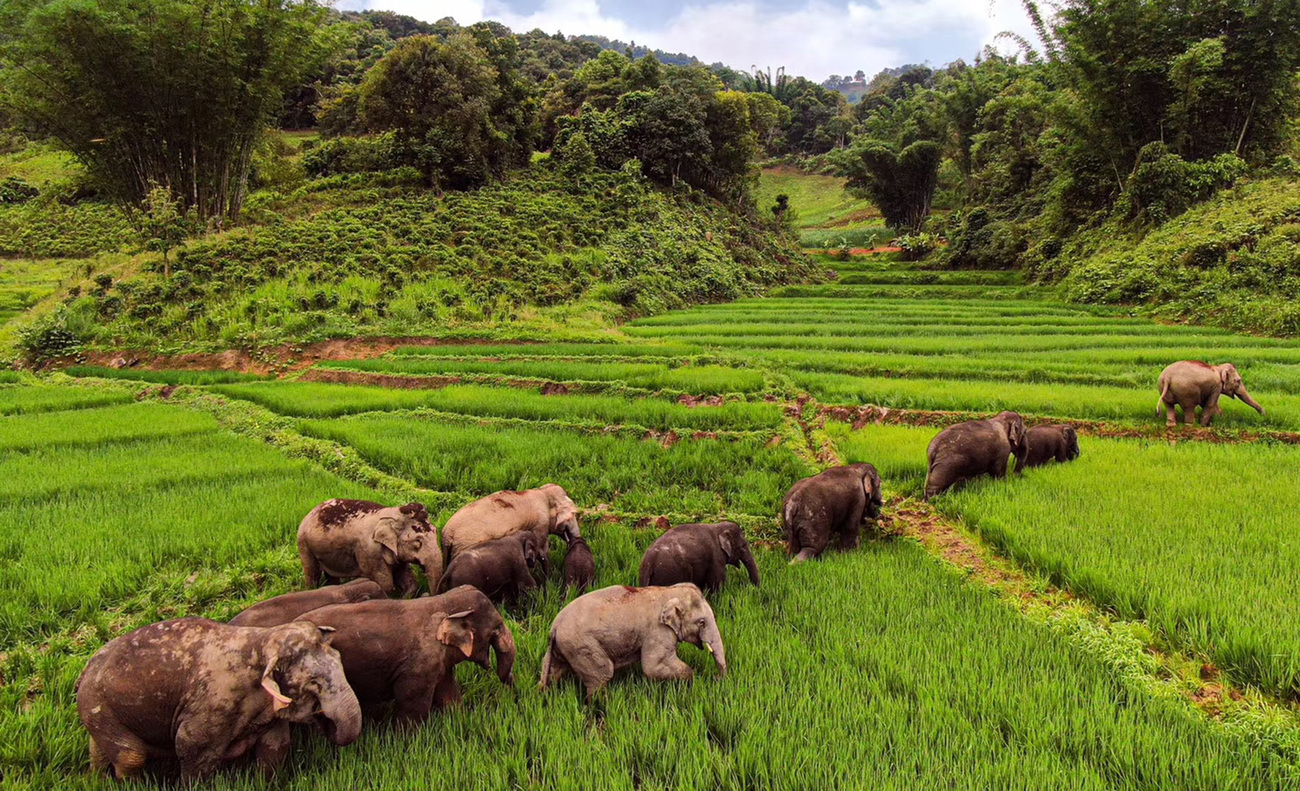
(708, 648)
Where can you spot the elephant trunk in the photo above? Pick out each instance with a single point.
(712, 639)
(430, 560)
(341, 713)
(568, 529)
(504, 646)
(1248, 401)
(747, 557)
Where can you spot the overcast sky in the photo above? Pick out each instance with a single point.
(814, 38)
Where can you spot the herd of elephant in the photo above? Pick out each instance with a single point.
(196, 694)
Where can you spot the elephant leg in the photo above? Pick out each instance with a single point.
(1171, 416)
(1189, 412)
(273, 747)
(98, 761)
(311, 568)
(447, 692)
(661, 663)
(812, 542)
(199, 755)
(1210, 411)
(591, 664)
(852, 532)
(415, 694)
(940, 479)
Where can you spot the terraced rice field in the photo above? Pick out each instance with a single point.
(880, 668)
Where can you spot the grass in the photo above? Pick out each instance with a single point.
(94, 427)
(898, 452)
(1170, 534)
(28, 400)
(526, 350)
(162, 377)
(818, 201)
(305, 399)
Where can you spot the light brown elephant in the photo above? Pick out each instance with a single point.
(1191, 383)
(358, 538)
(545, 511)
(205, 693)
(602, 631)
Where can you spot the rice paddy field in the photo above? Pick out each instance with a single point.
(1153, 646)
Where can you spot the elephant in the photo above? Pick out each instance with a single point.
(602, 631)
(358, 538)
(1049, 443)
(579, 566)
(977, 447)
(698, 553)
(206, 693)
(837, 500)
(545, 511)
(406, 650)
(285, 608)
(1192, 383)
(502, 568)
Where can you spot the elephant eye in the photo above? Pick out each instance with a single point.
(700, 622)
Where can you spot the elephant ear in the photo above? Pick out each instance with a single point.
(455, 631)
(725, 541)
(385, 536)
(279, 702)
(671, 615)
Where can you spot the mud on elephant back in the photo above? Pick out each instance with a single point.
(344, 539)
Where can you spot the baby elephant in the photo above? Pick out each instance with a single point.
(406, 650)
(207, 693)
(502, 568)
(1047, 444)
(579, 566)
(837, 500)
(615, 627)
(285, 608)
(697, 553)
(974, 448)
(358, 538)
(1190, 384)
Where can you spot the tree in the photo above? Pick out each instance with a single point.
(900, 183)
(147, 92)
(448, 110)
(164, 225)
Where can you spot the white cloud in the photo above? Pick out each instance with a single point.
(814, 38)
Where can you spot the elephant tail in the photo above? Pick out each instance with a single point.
(1164, 393)
(547, 661)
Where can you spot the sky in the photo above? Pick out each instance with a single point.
(812, 38)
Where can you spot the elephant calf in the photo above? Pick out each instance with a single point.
(285, 608)
(579, 566)
(358, 538)
(837, 500)
(1190, 384)
(698, 553)
(502, 568)
(1046, 444)
(206, 693)
(406, 650)
(974, 448)
(602, 631)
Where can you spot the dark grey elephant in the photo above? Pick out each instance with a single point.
(1049, 443)
(1190, 384)
(974, 448)
(836, 501)
(697, 553)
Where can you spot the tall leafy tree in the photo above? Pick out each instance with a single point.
(158, 92)
(900, 181)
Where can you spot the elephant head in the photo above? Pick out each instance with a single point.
(562, 512)
(479, 631)
(735, 548)
(408, 538)
(1014, 426)
(1231, 384)
(304, 677)
(871, 488)
(689, 616)
(535, 554)
(1072, 443)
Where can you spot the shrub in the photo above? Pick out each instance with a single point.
(1165, 185)
(59, 333)
(15, 190)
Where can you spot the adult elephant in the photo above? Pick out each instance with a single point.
(205, 693)
(545, 511)
(286, 607)
(837, 500)
(359, 538)
(1191, 383)
(697, 553)
(974, 448)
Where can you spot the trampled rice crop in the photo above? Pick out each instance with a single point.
(309, 399)
(1199, 539)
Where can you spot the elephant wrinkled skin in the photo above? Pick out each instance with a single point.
(545, 511)
(287, 607)
(697, 553)
(206, 693)
(358, 538)
(502, 568)
(974, 448)
(1190, 384)
(837, 500)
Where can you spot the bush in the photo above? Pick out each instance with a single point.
(916, 246)
(15, 190)
(981, 242)
(341, 155)
(60, 333)
(1164, 185)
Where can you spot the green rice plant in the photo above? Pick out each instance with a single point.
(29, 400)
(921, 277)
(310, 399)
(92, 427)
(1198, 539)
(526, 350)
(702, 477)
(875, 669)
(10, 377)
(163, 377)
(651, 376)
(913, 292)
(898, 452)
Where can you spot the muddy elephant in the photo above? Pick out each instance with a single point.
(206, 693)
(974, 448)
(579, 566)
(602, 631)
(285, 608)
(1190, 384)
(836, 501)
(502, 568)
(358, 538)
(545, 511)
(1047, 444)
(697, 553)
(406, 650)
